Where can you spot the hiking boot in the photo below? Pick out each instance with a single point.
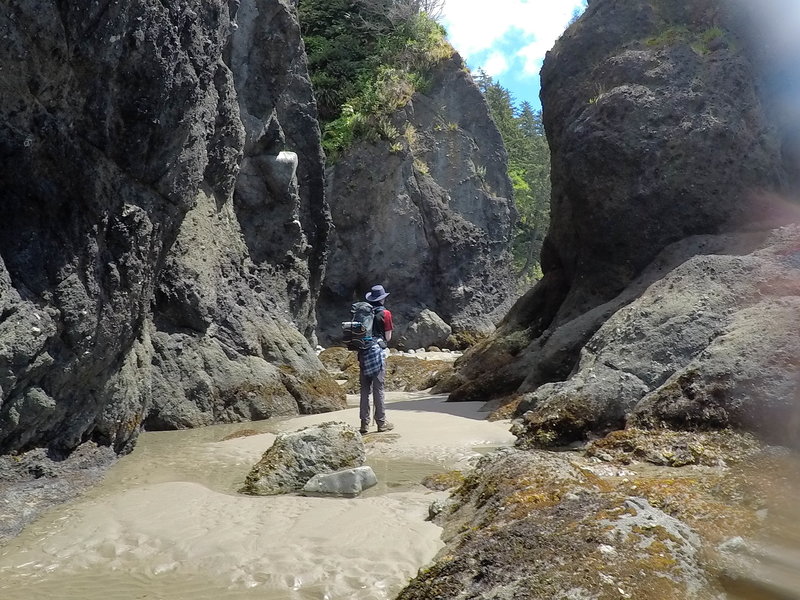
(364, 428)
(385, 426)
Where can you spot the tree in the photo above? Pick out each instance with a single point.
(528, 168)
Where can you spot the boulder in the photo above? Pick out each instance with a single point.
(295, 457)
(348, 482)
(428, 329)
(709, 345)
(541, 525)
(338, 358)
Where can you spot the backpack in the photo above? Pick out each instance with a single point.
(357, 332)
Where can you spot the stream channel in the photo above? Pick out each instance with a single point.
(167, 521)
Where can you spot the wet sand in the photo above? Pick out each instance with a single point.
(167, 523)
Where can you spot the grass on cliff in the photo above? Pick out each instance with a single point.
(701, 42)
(366, 59)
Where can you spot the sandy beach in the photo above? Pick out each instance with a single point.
(167, 522)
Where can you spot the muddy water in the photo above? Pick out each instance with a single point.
(167, 521)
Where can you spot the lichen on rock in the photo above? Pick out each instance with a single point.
(295, 457)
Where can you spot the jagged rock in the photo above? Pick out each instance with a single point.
(656, 253)
(348, 482)
(276, 103)
(108, 132)
(239, 281)
(295, 457)
(433, 224)
(127, 134)
(428, 329)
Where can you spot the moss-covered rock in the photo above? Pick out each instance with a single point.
(296, 457)
(403, 374)
(337, 358)
(537, 524)
(444, 481)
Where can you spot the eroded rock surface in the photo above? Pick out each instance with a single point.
(709, 345)
(149, 168)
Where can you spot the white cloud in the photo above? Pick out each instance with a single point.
(475, 27)
(495, 65)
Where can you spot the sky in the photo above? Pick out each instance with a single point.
(508, 38)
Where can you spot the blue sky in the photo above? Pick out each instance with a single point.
(508, 38)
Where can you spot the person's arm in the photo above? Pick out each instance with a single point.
(387, 326)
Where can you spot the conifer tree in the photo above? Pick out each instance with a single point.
(529, 170)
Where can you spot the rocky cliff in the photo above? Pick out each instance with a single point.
(668, 291)
(427, 213)
(161, 213)
(658, 355)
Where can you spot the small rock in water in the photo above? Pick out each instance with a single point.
(349, 482)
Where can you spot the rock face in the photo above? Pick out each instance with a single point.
(242, 278)
(428, 329)
(709, 345)
(155, 261)
(667, 287)
(433, 223)
(294, 458)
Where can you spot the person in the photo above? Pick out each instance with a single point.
(372, 362)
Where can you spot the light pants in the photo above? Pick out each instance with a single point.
(374, 384)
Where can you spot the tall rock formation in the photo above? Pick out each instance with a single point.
(427, 214)
(155, 258)
(672, 158)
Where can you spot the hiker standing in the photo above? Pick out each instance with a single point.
(372, 362)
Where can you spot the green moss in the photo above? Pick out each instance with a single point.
(240, 434)
(461, 340)
(669, 37)
(444, 481)
(403, 374)
(365, 66)
(700, 41)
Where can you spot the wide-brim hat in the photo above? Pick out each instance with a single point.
(376, 294)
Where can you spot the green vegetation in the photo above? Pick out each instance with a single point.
(529, 171)
(367, 58)
(700, 41)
